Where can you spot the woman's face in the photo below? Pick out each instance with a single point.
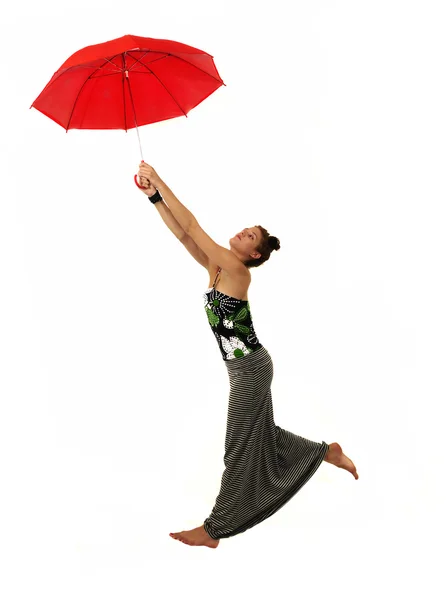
(246, 241)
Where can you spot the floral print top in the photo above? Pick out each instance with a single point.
(231, 322)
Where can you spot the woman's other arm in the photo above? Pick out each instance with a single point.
(183, 216)
(163, 209)
(174, 226)
(169, 220)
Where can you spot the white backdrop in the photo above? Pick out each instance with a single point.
(330, 133)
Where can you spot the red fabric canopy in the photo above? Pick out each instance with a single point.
(126, 82)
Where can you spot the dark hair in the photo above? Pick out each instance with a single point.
(267, 244)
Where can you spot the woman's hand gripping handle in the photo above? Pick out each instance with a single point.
(148, 177)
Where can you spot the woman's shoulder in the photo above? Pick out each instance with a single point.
(230, 283)
(243, 274)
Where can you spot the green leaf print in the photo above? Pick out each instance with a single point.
(212, 318)
(241, 328)
(241, 315)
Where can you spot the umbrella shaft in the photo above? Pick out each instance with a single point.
(134, 112)
(140, 148)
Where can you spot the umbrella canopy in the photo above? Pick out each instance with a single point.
(128, 82)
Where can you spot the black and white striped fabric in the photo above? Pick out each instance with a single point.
(264, 464)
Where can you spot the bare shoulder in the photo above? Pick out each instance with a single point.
(232, 283)
(243, 274)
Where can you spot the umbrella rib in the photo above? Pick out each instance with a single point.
(179, 58)
(106, 75)
(123, 95)
(82, 87)
(151, 62)
(84, 66)
(50, 83)
(202, 70)
(155, 75)
(112, 63)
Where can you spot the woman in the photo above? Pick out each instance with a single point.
(264, 464)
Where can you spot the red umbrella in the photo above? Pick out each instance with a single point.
(128, 82)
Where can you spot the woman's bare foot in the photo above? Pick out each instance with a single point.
(195, 537)
(335, 456)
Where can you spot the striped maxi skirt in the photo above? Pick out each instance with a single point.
(265, 465)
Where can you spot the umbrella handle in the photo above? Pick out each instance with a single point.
(141, 187)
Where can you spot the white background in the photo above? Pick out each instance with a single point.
(330, 133)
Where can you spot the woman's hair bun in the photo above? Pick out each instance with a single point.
(274, 242)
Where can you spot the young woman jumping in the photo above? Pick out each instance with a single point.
(265, 465)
